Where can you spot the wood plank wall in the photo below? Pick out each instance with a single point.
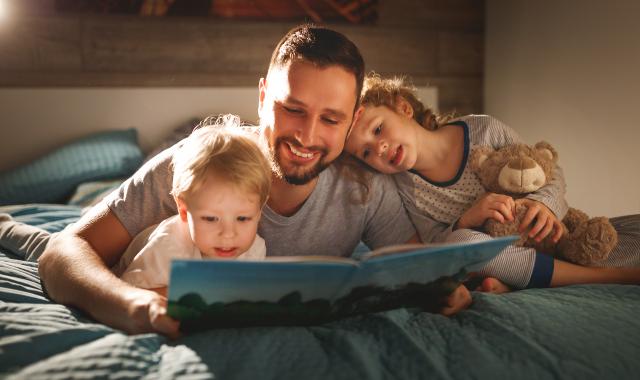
(435, 42)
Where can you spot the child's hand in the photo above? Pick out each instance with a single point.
(458, 300)
(545, 221)
(496, 206)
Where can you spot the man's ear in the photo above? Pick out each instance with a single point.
(356, 116)
(403, 107)
(262, 93)
(182, 208)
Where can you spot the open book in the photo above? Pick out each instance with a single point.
(302, 290)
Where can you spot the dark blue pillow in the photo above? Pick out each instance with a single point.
(53, 177)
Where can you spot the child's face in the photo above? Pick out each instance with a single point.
(384, 140)
(223, 219)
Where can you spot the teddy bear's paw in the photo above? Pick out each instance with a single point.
(597, 239)
(601, 235)
(497, 229)
(574, 219)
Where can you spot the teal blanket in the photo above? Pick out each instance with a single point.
(581, 332)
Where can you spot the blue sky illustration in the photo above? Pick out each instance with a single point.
(228, 280)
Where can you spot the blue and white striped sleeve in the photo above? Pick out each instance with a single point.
(518, 267)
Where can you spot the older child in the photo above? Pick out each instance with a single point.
(221, 181)
(397, 134)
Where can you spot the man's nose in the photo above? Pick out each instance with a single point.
(307, 131)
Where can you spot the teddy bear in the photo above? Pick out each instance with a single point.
(517, 170)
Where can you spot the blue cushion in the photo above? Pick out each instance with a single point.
(53, 177)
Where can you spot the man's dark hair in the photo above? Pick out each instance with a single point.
(323, 47)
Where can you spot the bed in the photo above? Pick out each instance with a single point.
(582, 332)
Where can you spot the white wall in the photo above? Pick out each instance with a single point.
(34, 121)
(569, 72)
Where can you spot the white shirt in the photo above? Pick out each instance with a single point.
(147, 260)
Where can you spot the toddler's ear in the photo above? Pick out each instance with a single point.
(403, 107)
(182, 208)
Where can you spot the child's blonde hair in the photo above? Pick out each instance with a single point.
(378, 91)
(220, 146)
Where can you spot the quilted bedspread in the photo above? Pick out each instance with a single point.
(581, 332)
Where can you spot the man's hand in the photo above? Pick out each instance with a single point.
(148, 313)
(545, 221)
(495, 206)
(457, 301)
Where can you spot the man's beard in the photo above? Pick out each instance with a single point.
(297, 175)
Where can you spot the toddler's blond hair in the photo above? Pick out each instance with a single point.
(220, 146)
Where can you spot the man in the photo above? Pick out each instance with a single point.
(307, 103)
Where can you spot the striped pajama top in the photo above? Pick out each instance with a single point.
(435, 207)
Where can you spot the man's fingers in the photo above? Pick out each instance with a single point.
(160, 321)
(167, 326)
(459, 300)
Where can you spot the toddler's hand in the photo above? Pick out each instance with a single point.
(495, 206)
(545, 221)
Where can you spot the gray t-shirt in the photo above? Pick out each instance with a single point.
(330, 222)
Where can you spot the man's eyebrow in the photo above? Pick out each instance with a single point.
(333, 112)
(293, 100)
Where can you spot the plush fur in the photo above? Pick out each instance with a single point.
(518, 170)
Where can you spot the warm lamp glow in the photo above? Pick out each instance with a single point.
(3, 9)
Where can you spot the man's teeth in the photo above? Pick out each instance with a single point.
(300, 154)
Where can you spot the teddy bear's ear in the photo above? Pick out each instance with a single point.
(547, 150)
(478, 156)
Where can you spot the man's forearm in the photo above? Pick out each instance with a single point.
(72, 273)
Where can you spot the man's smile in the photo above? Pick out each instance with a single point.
(299, 152)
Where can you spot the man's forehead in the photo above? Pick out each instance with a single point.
(289, 83)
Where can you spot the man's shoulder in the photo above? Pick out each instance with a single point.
(346, 187)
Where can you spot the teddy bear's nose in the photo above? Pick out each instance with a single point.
(522, 163)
